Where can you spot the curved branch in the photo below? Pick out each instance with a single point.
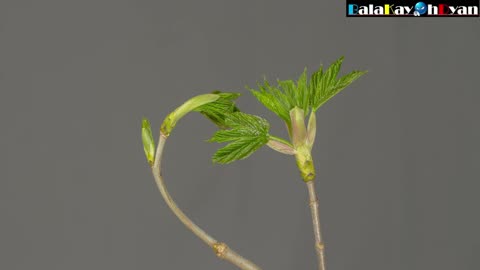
(220, 249)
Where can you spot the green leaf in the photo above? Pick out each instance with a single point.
(247, 133)
(273, 99)
(216, 111)
(148, 142)
(303, 92)
(237, 150)
(347, 80)
(325, 85)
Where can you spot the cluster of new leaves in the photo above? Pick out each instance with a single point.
(246, 134)
(306, 95)
(282, 98)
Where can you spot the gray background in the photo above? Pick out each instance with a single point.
(397, 153)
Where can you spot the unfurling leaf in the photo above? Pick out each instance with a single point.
(216, 110)
(148, 142)
(247, 133)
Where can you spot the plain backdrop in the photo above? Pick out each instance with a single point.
(397, 153)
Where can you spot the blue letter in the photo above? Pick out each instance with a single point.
(352, 9)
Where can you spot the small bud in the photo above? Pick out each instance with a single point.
(148, 142)
(171, 120)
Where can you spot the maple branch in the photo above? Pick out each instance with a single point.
(319, 245)
(220, 249)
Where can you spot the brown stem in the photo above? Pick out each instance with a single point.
(220, 249)
(319, 245)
